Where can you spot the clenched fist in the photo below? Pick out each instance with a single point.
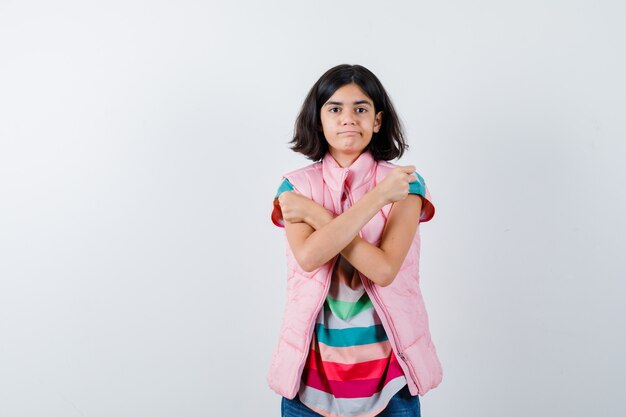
(395, 186)
(295, 207)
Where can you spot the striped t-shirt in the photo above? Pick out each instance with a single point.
(351, 370)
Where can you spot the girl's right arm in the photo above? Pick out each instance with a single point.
(313, 248)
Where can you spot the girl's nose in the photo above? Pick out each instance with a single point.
(348, 119)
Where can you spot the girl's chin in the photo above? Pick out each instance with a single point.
(350, 146)
(349, 150)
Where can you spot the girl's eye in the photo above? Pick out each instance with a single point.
(334, 110)
(361, 110)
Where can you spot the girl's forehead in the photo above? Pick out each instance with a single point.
(351, 91)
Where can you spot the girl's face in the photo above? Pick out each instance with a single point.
(349, 121)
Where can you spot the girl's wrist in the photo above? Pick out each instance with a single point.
(379, 198)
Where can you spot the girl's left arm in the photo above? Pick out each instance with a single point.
(379, 263)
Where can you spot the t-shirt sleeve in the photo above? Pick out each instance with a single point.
(418, 187)
(277, 215)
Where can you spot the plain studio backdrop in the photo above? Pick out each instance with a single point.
(142, 142)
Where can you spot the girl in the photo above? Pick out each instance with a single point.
(354, 339)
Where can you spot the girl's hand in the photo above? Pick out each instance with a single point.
(395, 186)
(296, 208)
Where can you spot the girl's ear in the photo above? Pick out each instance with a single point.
(378, 121)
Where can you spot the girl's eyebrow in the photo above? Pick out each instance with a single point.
(339, 103)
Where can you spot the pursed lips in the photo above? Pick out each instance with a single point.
(349, 132)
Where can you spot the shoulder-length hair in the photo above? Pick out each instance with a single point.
(308, 138)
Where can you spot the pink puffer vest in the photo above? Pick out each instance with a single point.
(399, 305)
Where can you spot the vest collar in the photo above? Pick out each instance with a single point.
(359, 173)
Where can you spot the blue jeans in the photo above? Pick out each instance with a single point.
(401, 405)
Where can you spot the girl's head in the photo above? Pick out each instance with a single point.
(348, 108)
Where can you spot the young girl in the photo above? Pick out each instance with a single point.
(354, 340)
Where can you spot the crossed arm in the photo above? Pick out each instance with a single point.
(315, 237)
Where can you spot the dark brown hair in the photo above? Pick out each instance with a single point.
(308, 138)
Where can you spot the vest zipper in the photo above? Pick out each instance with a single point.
(399, 350)
(373, 292)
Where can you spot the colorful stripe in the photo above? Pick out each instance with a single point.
(350, 337)
(320, 401)
(353, 354)
(345, 309)
(363, 319)
(352, 388)
(347, 371)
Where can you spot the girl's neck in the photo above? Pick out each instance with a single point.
(344, 160)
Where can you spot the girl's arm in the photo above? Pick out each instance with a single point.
(380, 264)
(312, 248)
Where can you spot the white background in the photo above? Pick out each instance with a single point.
(141, 143)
